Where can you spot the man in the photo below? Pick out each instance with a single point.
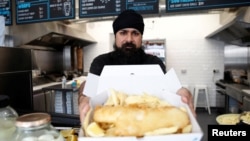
(128, 28)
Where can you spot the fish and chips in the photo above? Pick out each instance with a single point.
(135, 115)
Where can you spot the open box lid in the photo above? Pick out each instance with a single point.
(133, 79)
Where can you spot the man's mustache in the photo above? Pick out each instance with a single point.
(128, 45)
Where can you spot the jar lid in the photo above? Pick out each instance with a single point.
(4, 101)
(33, 120)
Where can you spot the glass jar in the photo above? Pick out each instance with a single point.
(7, 118)
(36, 127)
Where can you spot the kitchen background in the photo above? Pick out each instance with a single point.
(189, 49)
(193, 56)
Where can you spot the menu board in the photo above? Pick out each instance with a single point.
(100, 8)
(6, 11)
(33, 11)
(184, 5)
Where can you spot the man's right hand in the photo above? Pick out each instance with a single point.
(83, 107)
(83, 103)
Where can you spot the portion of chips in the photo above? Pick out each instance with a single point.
(245, 117)
(72, 138)
(65, 133)
(94, 130)
(69, 134)
(120, 98)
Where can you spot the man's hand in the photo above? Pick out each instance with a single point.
(83, 106)
(187, 98)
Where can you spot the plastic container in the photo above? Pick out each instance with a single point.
(36, 127)
(64, 82)
(7, 118)
(74, 84)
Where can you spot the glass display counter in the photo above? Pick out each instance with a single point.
(62, 99)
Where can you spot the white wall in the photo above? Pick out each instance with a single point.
(192, 56)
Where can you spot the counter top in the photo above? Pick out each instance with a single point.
(40, 87)
(244, 89)
(239, 92)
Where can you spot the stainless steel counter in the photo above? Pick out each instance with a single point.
(239, 92)
(40, 87)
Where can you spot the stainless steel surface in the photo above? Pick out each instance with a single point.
(42, 101)
(235, 27)
(221, 89)
(248, 74)
(47, 66)
(236, 57)
(50, 34)
(47, 61)
(50, 66)
(67, 58)
(246, 103)
(234, 93)
(237, 64)
(246, 92)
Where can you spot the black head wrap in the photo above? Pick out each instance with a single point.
(128, 19)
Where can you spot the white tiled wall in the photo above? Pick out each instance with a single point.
(192, 56)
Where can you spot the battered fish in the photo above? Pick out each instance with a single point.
(136, 120)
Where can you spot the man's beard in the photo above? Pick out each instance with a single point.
(129, 54)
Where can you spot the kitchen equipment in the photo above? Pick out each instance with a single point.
(36, 126)
(221, 90)
(248, 77)
(80, 59)
(228, 76)
(235, 75)
(16, 78)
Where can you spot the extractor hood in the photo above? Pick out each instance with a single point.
(236, 29)
(50, 35)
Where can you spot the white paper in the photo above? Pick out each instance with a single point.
(132, 78)
(91, 85)
(172, 81)
(128, 70)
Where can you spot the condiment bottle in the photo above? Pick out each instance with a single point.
(7, 118)
(64, 82)
(74, 84)
(36, 127)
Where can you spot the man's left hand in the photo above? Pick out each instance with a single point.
(187, 98)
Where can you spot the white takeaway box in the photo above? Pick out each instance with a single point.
(137, 79)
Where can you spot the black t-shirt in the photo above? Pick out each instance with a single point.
(112, 58)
